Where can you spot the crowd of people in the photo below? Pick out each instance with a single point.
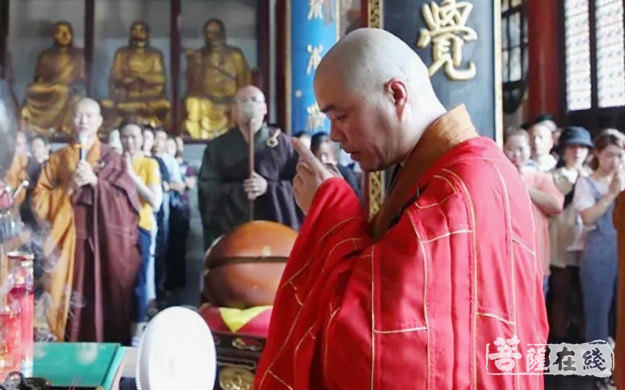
(162, 179)
(574, 182)
(465, 241)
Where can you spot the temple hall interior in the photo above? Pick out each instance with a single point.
(147, 103)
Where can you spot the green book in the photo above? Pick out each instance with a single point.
(78, 365)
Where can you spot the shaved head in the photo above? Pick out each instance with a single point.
(378, 95)
(87, 118)
(249, 91)
(87, 103)
(367, 58)
(250, 108)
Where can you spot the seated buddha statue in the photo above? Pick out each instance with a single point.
(214, 75)
(137, 82)
(59, 83)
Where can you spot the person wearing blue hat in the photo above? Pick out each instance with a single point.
(566, 230)
(575, 135)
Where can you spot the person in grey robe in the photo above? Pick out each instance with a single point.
(225, 188)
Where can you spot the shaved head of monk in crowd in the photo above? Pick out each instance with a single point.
(377, 93)
(249, 108)
(87, 120)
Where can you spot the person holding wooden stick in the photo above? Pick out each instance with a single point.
(240, 181)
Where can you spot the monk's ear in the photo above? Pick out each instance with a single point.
(397, 91)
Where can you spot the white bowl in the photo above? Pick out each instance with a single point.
(177, 351)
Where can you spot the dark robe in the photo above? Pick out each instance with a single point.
(107, 256)
(105, 262)
(223, 201)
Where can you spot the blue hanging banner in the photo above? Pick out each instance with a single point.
(314, 29)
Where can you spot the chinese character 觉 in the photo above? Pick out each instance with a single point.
(447, 31)
(315, 118)
(315, 57)
(508, 353)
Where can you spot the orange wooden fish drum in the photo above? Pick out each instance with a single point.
(243, 268)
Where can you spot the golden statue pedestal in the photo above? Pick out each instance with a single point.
(205, 119)
(152, 112)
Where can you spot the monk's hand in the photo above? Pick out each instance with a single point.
(332, 168)
(311, 173)
(255, 187)
(84, 175)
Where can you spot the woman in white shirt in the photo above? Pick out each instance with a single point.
(594, 201)
(566, 229)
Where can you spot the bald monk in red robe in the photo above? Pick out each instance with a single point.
(93, 208)
(422, 296)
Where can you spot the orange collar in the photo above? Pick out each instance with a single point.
(439, 138)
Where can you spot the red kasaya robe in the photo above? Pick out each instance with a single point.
(93, 237)
(452, 270)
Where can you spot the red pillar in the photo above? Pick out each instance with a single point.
(545, 62)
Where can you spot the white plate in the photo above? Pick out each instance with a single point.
(177, 351)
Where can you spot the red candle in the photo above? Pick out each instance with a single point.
(10, 353)
(22, 294)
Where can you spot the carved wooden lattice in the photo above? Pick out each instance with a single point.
(577, 37)
(514, 53)
(610, 53)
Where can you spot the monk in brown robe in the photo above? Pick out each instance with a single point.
(93, 208)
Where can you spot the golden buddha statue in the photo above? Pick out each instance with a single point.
(214, 75)
(137, 82)
(59, 83)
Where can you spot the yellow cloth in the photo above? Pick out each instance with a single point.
(51, 202)
(235, 319)
(148, 171)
